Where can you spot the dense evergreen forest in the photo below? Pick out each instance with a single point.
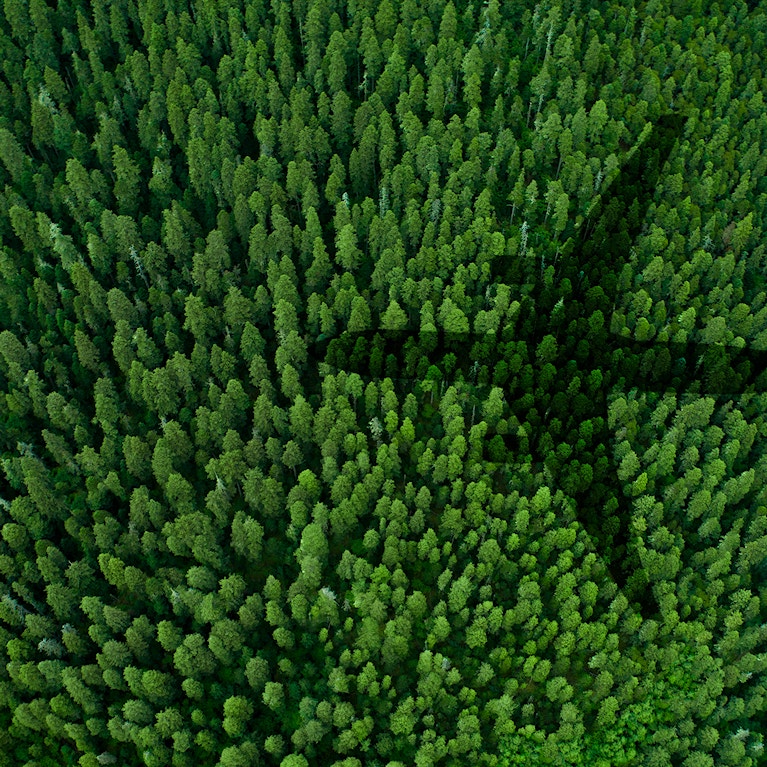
(355, 401)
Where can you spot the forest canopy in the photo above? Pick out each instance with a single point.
(311, 450)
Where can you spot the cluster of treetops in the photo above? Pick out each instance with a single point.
(302, 395)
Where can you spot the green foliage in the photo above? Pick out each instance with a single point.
(238, 525)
